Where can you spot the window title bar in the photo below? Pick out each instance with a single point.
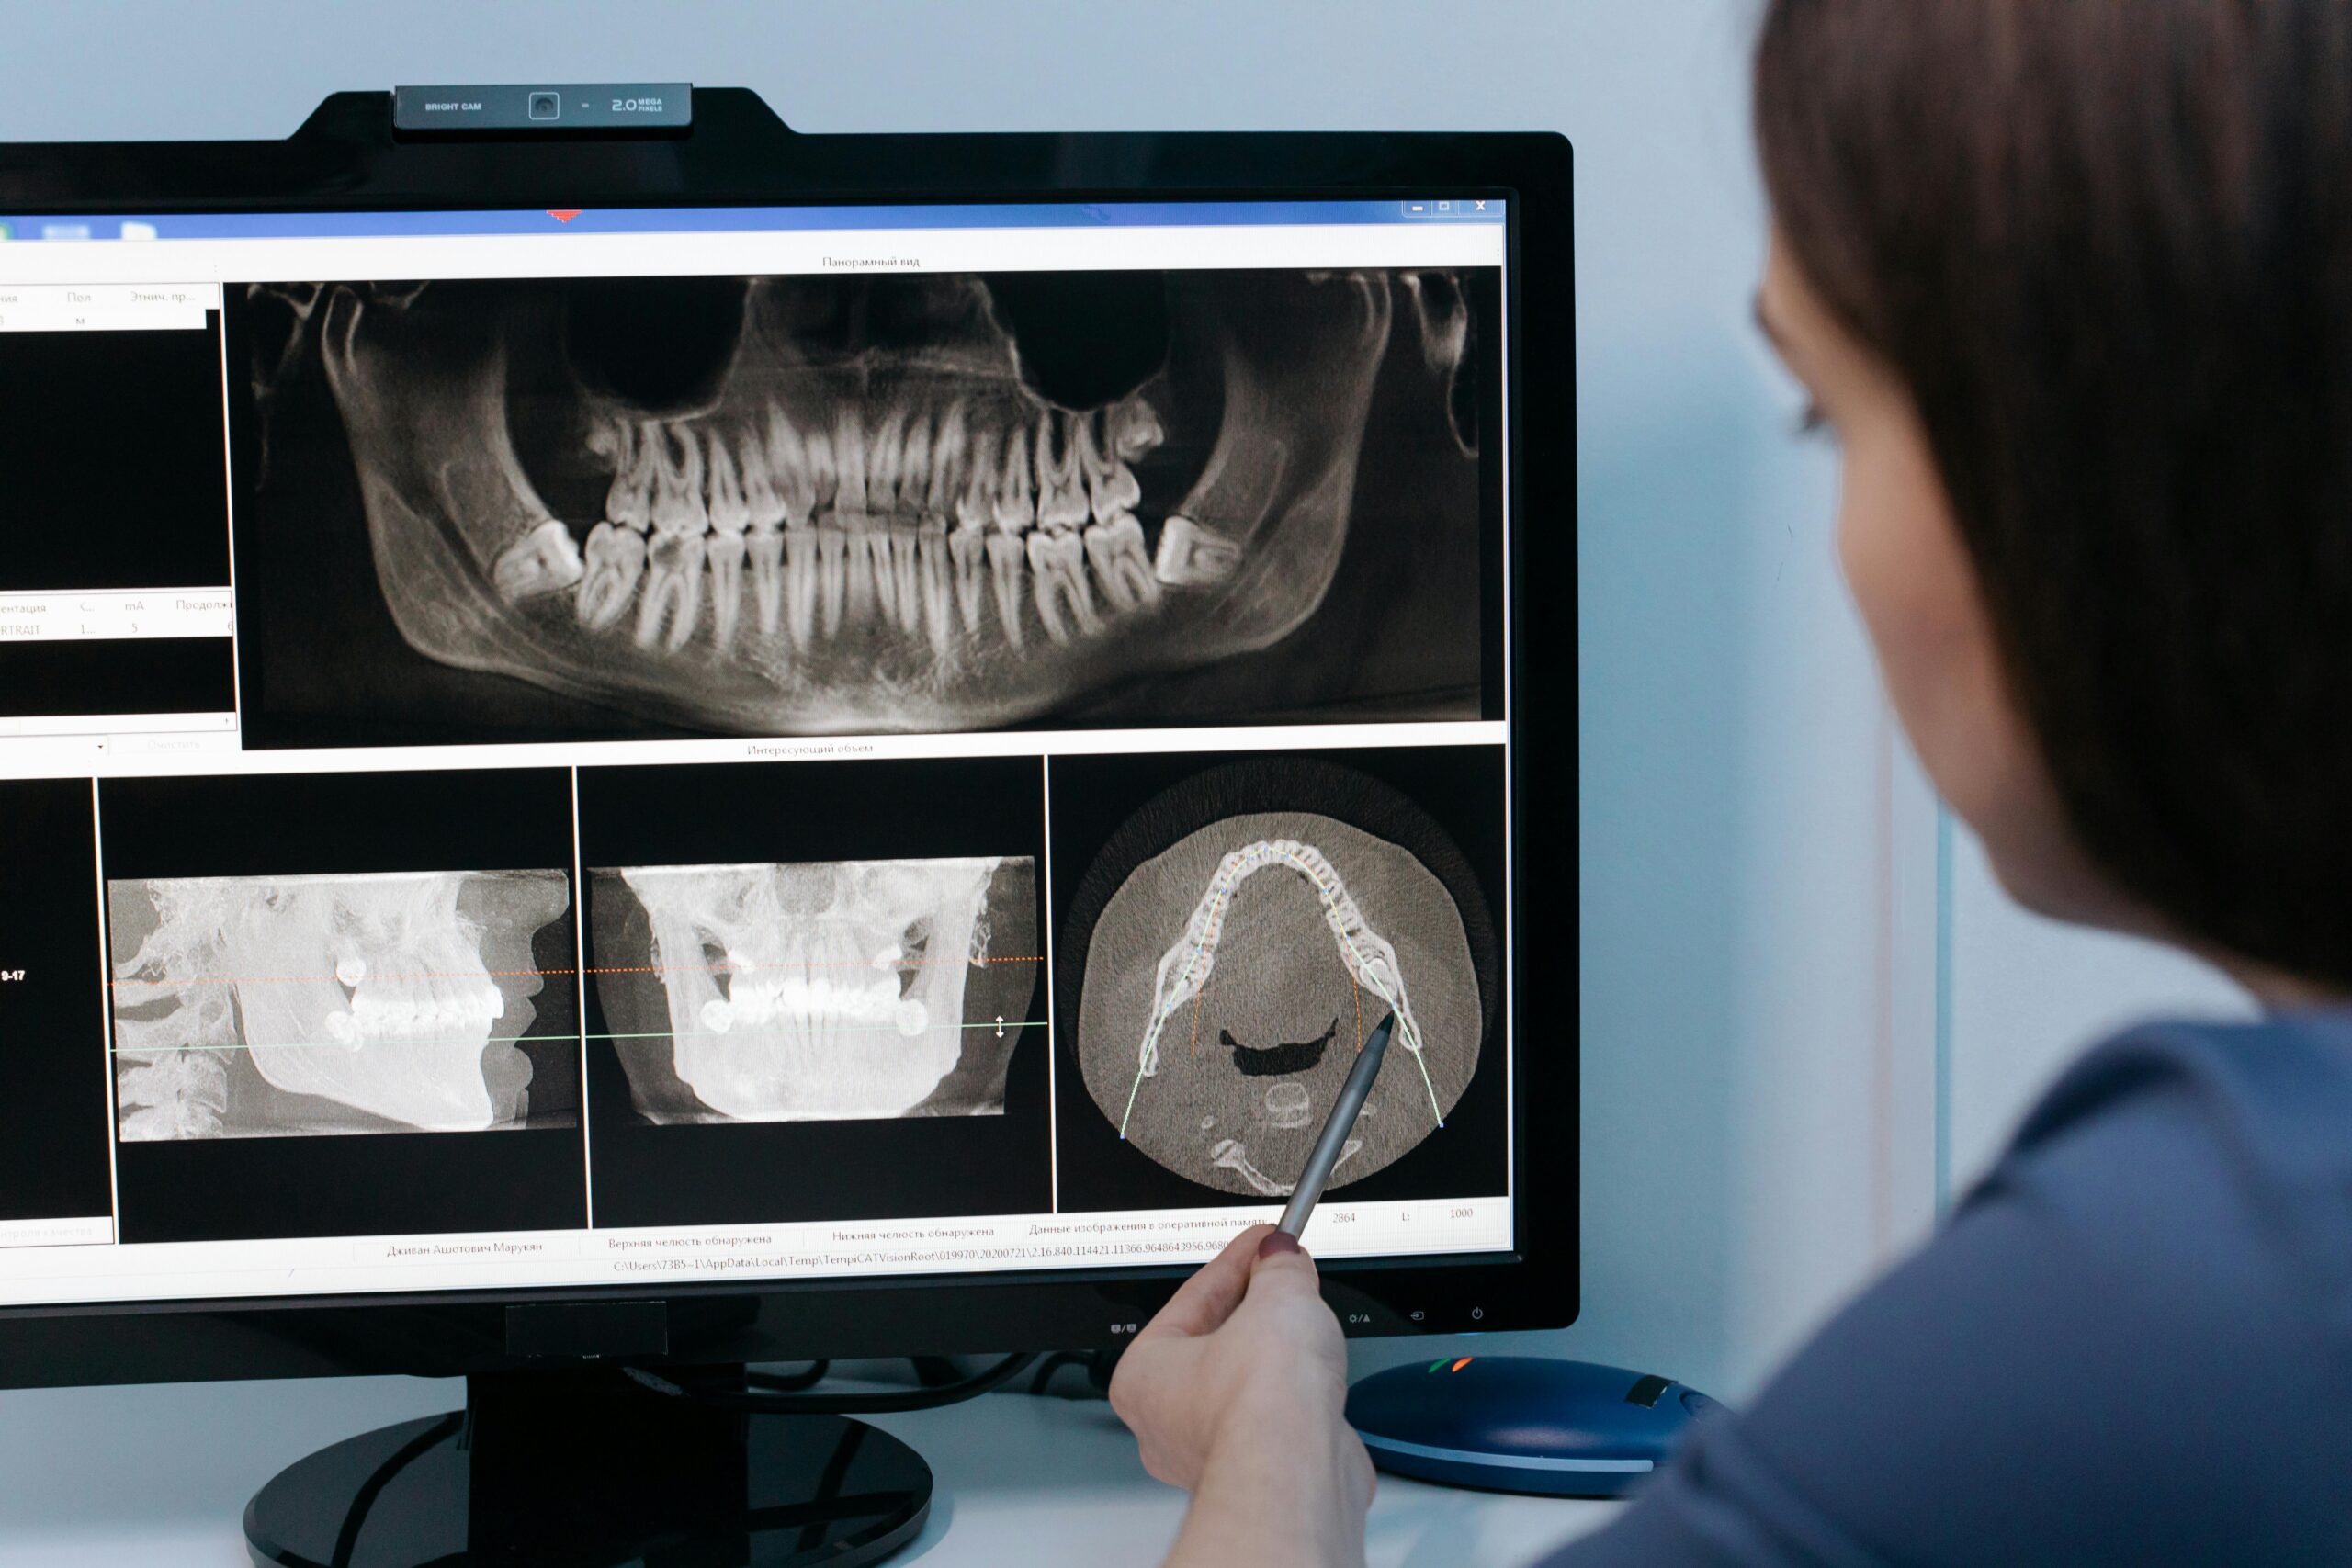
(742, 219)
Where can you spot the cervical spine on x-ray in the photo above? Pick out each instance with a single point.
(824, 991)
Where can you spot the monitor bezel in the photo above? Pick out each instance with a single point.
(346, 157)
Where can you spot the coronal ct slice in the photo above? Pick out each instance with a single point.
(266, 1006)
(1231, 978)
(827, 991)
(869, 519)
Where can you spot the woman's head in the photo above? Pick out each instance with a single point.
(2074, 282)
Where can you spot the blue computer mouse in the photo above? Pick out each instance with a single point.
(1523, 1423)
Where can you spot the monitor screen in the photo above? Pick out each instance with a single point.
(673, 746)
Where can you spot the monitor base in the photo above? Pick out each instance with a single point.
(585, 1468)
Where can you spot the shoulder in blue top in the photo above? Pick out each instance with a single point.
(2130, 1344)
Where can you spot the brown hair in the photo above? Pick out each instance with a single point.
(2107, 244)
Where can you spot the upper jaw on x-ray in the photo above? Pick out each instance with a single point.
(399, 995)
(868, 520)
(832, 991)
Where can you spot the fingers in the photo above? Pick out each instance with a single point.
(1281, 1265)
(1208, 1298)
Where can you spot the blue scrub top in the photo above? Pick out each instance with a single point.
(2130, 1344)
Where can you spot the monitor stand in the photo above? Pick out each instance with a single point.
(587, 1467)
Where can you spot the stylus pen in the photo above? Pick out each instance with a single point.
(1333, 1139)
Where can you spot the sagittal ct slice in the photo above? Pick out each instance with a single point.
(830, 991)
(276, 1006)
(1231, 978)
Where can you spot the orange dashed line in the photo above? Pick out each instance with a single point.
(613, 969)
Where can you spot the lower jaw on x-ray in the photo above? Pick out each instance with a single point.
(803, 505)
(1231, 979)
(253, 1007)
(842, 990)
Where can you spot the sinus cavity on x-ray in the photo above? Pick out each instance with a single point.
(830, 991)
(1231, 979)
(797, 504)
(281, 1006)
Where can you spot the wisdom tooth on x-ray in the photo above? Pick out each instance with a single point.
(832, 991)
(1231, 978)
(275, 1006)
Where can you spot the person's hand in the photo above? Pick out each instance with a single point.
(1247, 1362)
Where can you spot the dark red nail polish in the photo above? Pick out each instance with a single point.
(1278, 1241)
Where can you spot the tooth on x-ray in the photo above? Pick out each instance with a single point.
(273, 1005)
(827, 991)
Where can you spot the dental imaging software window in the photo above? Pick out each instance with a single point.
(625, 747)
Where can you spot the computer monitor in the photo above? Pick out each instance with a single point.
(718, 746)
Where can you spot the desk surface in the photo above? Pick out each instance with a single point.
(158, 1476)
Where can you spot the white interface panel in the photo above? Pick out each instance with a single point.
(651, 746)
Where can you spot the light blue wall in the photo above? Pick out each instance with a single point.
(1730, 731)
(2027, 995)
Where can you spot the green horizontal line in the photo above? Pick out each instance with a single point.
(1010, 1023)
(324, 1045)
